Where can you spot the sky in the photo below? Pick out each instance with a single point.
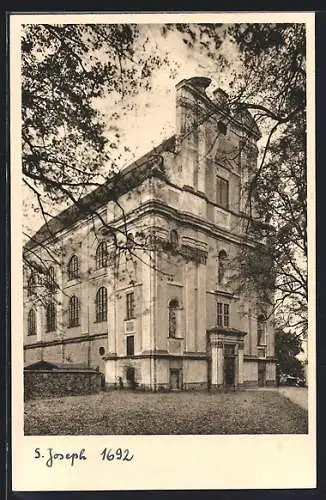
(152, 117)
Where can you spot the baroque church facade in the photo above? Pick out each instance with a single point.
(167, 312)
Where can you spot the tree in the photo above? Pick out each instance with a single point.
(287, 347)
(264, 65)
(69, 148)
(272, 84)
(66, 69)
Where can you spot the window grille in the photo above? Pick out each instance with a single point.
(130, 305)
(101, 303)
(31, 328)
(73, 268)
(101, 255)
(222, 314)
(50, 317)
(74, 310)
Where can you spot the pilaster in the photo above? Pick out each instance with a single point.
(190, 306)
(200, 340)
(240, 364)
(220, 364)
(39, 322)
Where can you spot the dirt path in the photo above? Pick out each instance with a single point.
(298, 395)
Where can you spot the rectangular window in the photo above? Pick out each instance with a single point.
(130, 345)
(219, 318)
(222, 314)
(222, 192)
(130, 305)
(226, 316)
(222, 128)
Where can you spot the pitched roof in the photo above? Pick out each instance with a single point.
(147, 166)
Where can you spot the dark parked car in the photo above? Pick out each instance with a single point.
(291, 380)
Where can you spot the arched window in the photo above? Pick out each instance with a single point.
(51, 279)
(101, 255)
(261, 330)
(174, 238)
(101, 304)
(31, 282)
(173, 323)
(31, 323)
(221, 266)
(73, 268)
(51, 316)
(74, 309)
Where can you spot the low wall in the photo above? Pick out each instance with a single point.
(56, 383)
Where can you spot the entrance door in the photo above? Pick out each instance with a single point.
(131, 377)
(261, 373)
(229, 371)
(229, 365)
(174, 379)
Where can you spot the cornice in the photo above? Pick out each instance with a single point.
(67, 340)
(214, 108)
(157, 207)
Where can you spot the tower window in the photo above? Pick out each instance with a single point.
(222, 314)
(130, 298)
(261, 330)
(222, 256)
(222, 192)
(226, 314)
(130, 345)
(173, 324)
(222, 128)
(174, 238)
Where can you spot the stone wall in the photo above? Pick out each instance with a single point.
(58, 383)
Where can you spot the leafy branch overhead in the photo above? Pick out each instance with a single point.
(71, 147)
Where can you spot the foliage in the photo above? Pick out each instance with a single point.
(287, 347)
(272, 85)
(68, 149)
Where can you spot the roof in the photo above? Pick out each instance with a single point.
(148, 165)
(46, 365)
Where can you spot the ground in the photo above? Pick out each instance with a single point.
(122, 412)
(298, 395)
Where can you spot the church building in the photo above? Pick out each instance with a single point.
(145, 284)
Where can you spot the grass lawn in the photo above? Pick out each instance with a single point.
(119, 412)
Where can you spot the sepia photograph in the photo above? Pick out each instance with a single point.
(164, 228)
